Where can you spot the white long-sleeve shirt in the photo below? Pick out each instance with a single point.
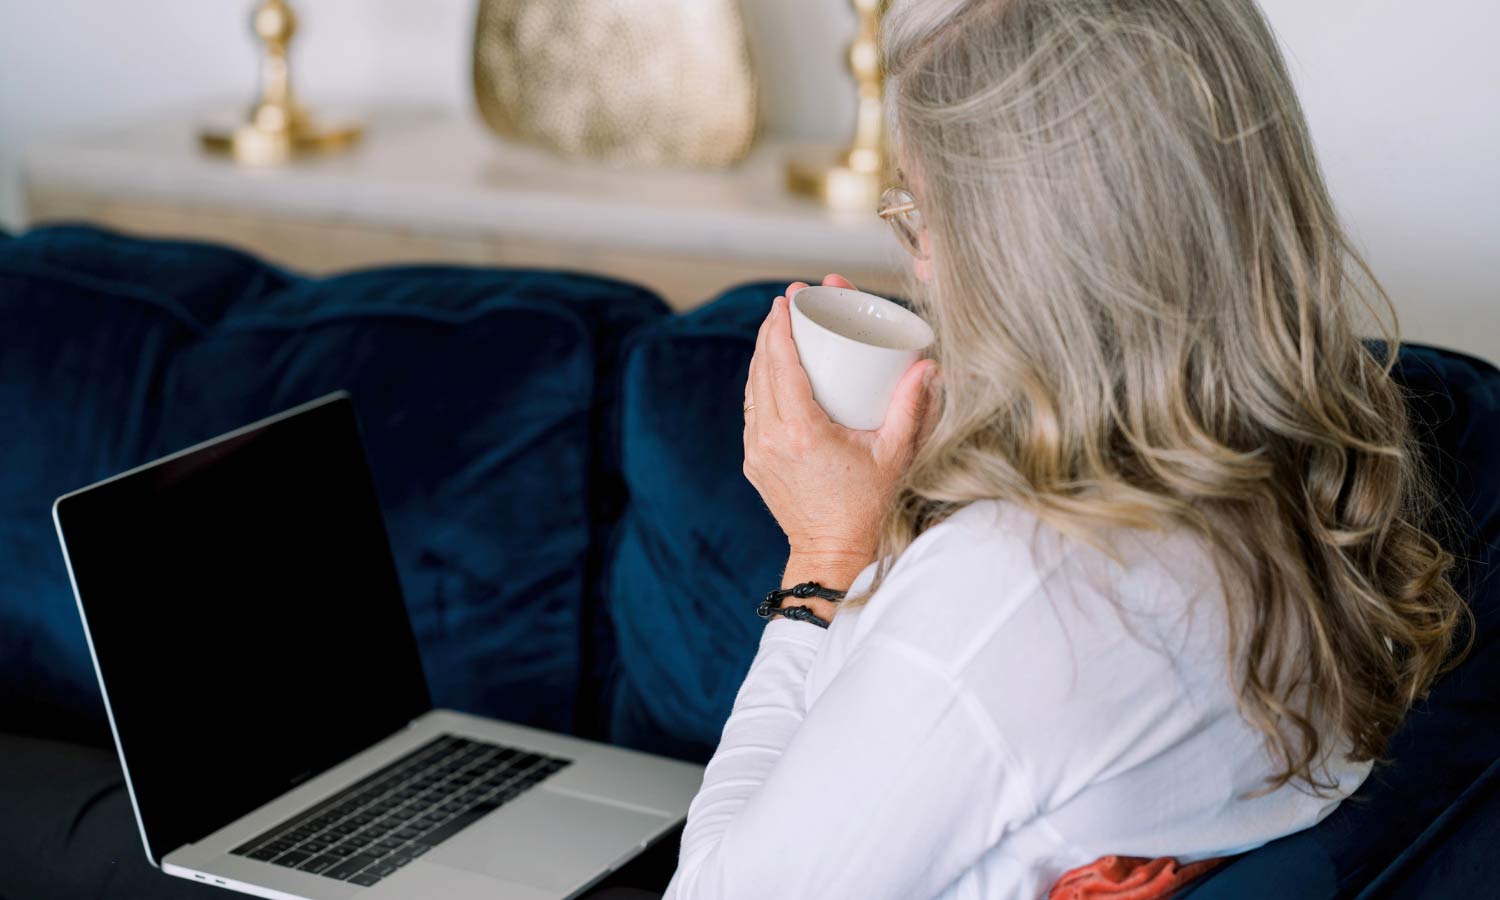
(1011, 704)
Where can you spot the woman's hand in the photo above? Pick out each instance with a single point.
(827, 485)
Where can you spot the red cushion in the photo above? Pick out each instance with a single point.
(1129, 878)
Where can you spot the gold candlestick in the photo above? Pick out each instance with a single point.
(278, 128)
(857, 176)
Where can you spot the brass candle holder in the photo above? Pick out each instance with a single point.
(855, 178)
(278, 127)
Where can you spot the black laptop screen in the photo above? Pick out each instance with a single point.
(246, 617)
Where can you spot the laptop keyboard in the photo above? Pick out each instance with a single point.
(371, 829)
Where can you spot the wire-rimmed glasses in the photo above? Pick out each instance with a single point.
(899, 208)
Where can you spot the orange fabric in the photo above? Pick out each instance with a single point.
(1129, 878)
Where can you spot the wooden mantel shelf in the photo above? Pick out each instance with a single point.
(431, 186)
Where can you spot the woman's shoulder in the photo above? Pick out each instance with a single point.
(1115, 650)
(977, 541)
(994, 577)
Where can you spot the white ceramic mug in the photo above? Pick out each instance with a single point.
(855, 348)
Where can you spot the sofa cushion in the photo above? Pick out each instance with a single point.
(83, 351)
(476, 391)
(1454, 857)
(200, 280)
(697, 546)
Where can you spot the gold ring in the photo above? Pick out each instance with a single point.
(748, 407)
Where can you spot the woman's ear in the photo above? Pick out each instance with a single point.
(923, 269)
(923, 266)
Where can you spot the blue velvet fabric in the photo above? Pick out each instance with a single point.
(1455, 855)
(697, 546)
(485, 397)
(88, 324)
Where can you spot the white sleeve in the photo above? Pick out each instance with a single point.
(891, 786)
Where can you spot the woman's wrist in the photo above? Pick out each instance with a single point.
(831, 570)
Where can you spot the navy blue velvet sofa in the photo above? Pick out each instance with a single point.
(558, 459)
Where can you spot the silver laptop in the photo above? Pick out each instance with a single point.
(268, 704)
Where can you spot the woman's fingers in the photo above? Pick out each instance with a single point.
(794, 399)
(837, 281)
(762, 391)
(903, 420)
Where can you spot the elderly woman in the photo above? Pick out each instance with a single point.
(1137, 564)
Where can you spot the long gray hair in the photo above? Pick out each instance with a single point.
(1147, 316)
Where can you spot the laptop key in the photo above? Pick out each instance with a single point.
(407, 854)
(349, 866)
(318, 864)
(292, 858)
(364, 879)
(264, 854)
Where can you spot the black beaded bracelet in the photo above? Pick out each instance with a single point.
(771, 606)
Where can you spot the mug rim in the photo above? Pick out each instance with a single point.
(902, 311)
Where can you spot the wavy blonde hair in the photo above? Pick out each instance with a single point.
(1146, 313)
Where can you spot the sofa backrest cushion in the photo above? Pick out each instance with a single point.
(479, 395)
(88, 325)
(697, 547)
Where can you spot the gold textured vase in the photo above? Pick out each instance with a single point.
(652, 82)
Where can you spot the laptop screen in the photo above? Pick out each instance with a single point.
(245, 615)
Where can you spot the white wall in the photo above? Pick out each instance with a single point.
(1404, 99)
